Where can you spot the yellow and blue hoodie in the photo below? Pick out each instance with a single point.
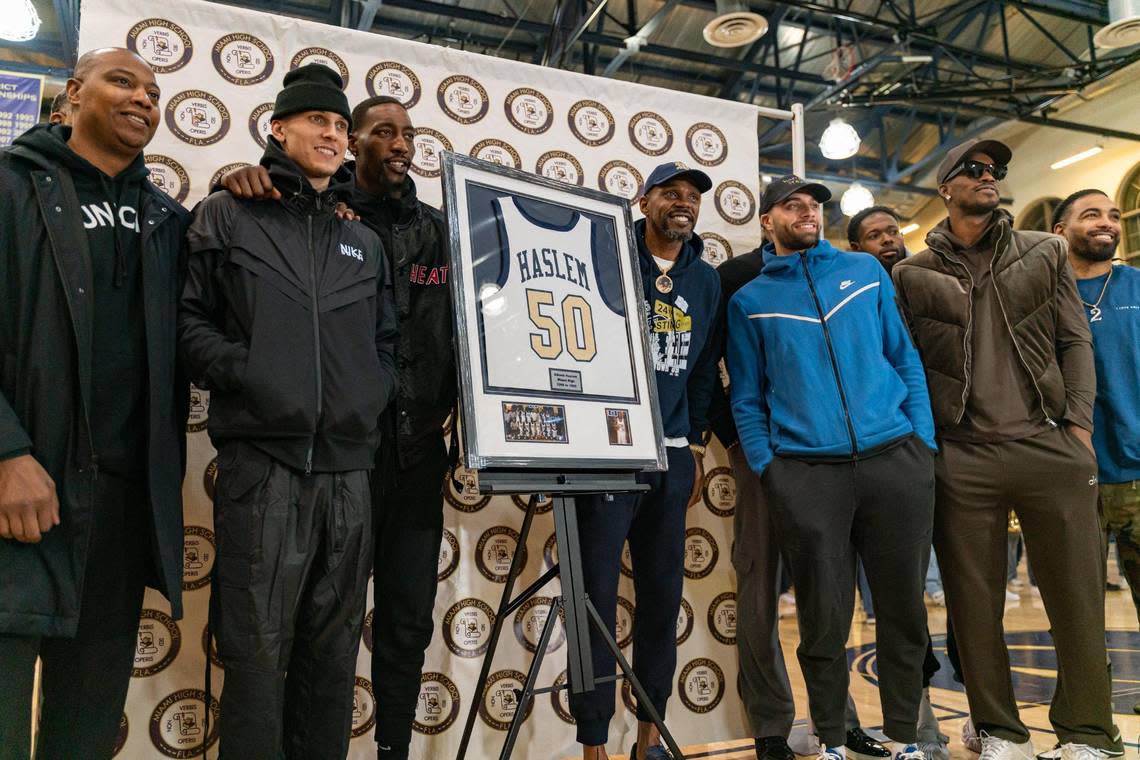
(821, 361)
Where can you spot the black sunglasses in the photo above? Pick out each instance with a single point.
(975, 170)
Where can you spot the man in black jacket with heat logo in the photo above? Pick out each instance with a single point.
(287, 318)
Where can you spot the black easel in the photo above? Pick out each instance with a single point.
(578, 610)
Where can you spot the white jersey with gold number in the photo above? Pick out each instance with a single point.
(546, 327)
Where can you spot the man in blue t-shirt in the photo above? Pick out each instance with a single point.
(1090, 222)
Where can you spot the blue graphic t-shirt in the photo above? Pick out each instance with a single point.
(1115, 325)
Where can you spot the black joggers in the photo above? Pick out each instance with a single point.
(287, 605)
(408, 516)
(880, 508)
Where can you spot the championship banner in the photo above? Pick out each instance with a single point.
(20, 96)
(219, 69)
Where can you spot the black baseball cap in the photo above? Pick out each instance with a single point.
(671, 170)
(995, 149)
(781, 188)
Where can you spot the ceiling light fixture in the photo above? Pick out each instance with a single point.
(855, 199)
(839, 140)
(1078, 157)
(912, 227)
(19, 21)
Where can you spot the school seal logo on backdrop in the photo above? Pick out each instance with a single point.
(171, 177)
(242, 59)
(157, 642)
(462, 98)
(197, 117)
(707, 144)
(323, 56)
(430, 145)
(163, 44)
(467, 627)
(497, 152)
(437, 706)
(528, 110)
(394, 80)
(717, 249)
(701, 685)
(560, 165)
(178, 724)
(734, 202)
(591, 122)
(620, 178)
(650, 133)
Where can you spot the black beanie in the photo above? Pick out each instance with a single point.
(313, 87)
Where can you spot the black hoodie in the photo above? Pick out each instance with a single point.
(415, 241)
(286, 317)
(110, 218)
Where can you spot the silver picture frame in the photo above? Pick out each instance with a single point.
(551, 448)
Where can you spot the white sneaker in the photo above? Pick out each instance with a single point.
(1016, 584)
(1051, 754)
(934, 750)
(995, 748)
(788, 598)
(910, 752)
(1012, 597)
(830, 753)
(938, 598)
(970, 737)
(1073, 751)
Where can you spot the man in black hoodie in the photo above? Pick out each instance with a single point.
(287, 319)
(684, 305)
(411, 465)
(91, 408)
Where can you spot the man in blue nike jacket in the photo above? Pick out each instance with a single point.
(830, 401)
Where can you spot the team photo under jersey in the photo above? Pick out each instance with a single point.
(548, 326)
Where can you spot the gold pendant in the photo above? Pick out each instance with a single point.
(664, 284)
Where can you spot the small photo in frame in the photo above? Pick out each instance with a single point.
(617, 426)
(534, 423)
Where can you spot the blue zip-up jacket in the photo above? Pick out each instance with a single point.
(821, 361)
(683, 336)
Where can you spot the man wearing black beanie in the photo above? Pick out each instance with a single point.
(287, 318)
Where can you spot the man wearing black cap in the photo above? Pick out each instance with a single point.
(832, 412)
(998, 319)
(287, 319)
(683, 295)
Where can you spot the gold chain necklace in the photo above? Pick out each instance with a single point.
(1094, 308)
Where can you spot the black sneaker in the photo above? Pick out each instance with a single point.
(391, 753)
(860, 744)
(773, 748)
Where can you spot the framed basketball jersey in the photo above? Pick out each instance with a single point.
(553, 359)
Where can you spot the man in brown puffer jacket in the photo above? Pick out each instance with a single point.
(997, 318)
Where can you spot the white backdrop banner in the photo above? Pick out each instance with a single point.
(220, 68)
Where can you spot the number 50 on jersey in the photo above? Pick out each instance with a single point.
(551, 343)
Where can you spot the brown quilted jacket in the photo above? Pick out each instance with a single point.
(1042, 309)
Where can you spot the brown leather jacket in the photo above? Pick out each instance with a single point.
(1042, 309)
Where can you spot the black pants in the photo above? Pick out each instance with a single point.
(654, 523)
(880, 508)
(408, 516)
(287, 604)
(85, 678)
(763, 679)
